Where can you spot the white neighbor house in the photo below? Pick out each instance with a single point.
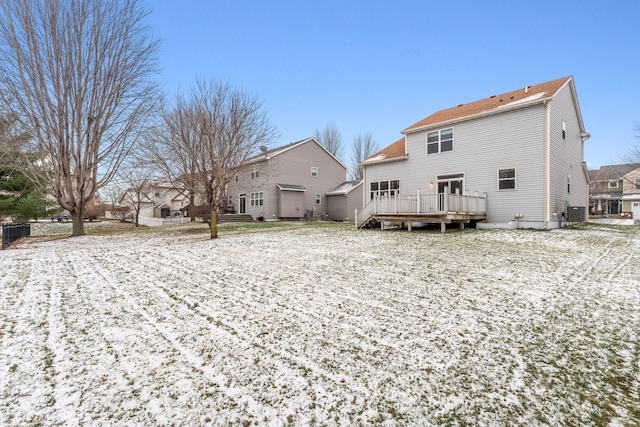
(522, 149)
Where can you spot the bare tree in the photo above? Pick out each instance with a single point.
(114, 195)
(78, 75)
(139, 188)
(331, 138)
(363, 147)
(633, 153)
(206, 136)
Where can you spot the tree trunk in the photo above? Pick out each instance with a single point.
(78, 222)
(213, 223)
(192, 207)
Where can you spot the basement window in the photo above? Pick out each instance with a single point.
(506, 179)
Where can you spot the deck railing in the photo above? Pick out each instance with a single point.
(441, 203)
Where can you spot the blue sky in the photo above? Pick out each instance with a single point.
(380, 66)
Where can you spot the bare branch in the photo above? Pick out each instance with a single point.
(78, 75)
(331, 138)
(363, 147)
(205, 136)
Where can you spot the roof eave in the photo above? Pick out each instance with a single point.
(393, 159)
(486, 113)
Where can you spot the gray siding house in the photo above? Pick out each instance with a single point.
(522, 150)
(288, 182)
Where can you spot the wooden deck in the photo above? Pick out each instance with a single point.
(440, 208)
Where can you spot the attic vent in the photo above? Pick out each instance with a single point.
(512, 97)
(460, 105)
(500, 100)
(492, 96)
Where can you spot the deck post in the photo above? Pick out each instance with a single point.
(418, 201)
(356, 218)
(395, 203)
(461, 225)
(445, 204)
(443, 227)
(375, 203)
(476, 202)
(409, 225)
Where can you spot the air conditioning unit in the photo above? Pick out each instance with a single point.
(576, 213)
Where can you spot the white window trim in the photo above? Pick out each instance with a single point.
(255, 171)
(613, 184)
(318, 199)
(388, 191)
(515, 179)
(314, 172)
(453, 138)
(256, 198)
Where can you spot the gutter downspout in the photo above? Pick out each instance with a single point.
(547, 164)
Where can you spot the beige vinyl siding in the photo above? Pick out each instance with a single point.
(292, 167)
(566, 155)
(481, 146)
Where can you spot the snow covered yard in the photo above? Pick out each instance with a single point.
(322, 325)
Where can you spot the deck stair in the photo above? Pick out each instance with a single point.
(234, 218)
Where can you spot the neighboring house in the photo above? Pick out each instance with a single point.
(615, 190)
(343, 201)
(523, 150)
(289, 182)
(158, 199)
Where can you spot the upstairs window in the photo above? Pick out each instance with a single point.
(637, 186)
(440, 141)
(613, 184)
(314, 172)
(506, 179)
(564, 130)
(255, 172)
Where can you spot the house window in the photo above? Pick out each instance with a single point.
(384, 188)
(314, 172)
(564, 130)
(506, 179)
(637, 186)
(318, 198)
(568, 183)
(440, 141)
(257, 199)
(613, 184)
(254, 171)
(156, 193)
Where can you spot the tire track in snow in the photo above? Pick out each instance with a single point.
(235, 396)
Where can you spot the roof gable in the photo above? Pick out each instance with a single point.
(269, 154)
(497, 103)
(395, 151)
(612, 172)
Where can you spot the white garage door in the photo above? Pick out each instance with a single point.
(635, 208)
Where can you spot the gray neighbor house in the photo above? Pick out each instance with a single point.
(514, 160)
(301, 180)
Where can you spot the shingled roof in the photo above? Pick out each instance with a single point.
(496, 102)
(394, 151)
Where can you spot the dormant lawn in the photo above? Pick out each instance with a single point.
(278, 324)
